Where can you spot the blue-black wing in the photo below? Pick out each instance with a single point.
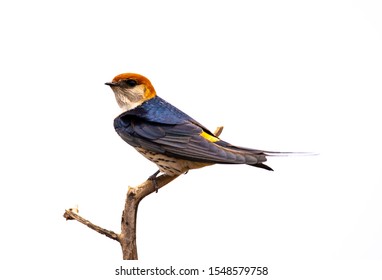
(184, 139)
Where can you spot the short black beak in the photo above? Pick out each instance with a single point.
(110, 84)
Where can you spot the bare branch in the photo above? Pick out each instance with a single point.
(218, 130)
(129, 215)
(127, 237)
(70, 215)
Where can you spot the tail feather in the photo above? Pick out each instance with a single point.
(265, 154)
(278, 154)
(262, 165)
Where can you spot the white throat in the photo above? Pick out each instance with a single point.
(130, 105)
(129, 99)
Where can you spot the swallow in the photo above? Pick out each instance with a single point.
(168, 137)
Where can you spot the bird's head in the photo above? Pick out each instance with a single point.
(131, 90)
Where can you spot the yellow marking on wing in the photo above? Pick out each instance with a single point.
(209, 137)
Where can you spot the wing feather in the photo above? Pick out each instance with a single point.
(183, 140)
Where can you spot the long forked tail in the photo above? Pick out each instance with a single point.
(260, 155)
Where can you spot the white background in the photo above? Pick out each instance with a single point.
(279, 75)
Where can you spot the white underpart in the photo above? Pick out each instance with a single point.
(170, 165)
(128, 99)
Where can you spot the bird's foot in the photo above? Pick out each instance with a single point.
(153, 178)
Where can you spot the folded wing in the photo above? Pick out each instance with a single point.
(186, 140)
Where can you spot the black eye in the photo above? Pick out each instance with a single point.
(131, 83)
